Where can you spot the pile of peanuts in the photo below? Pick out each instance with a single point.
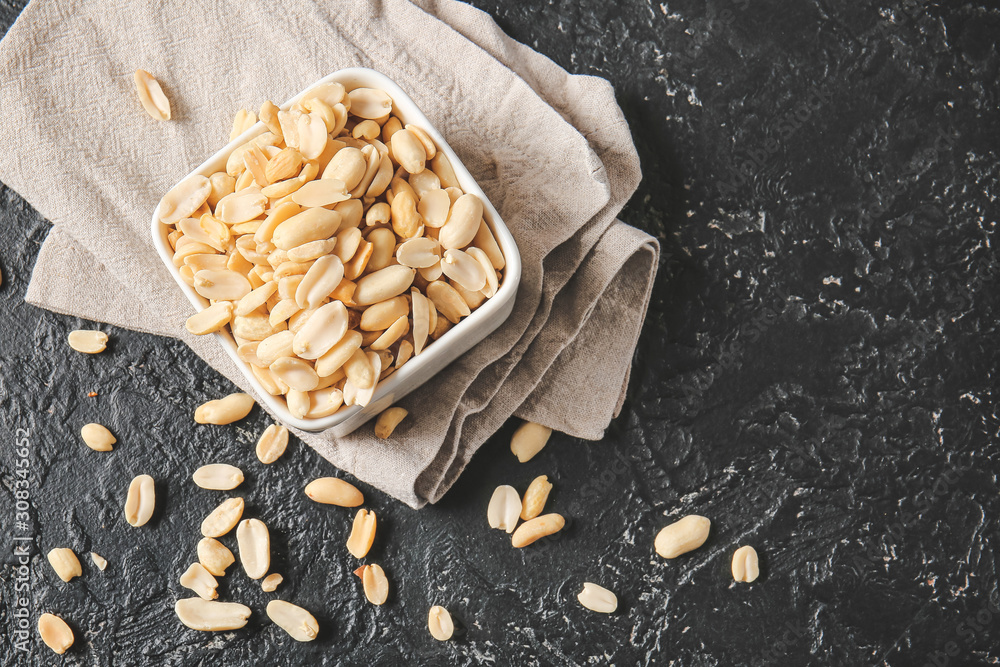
(334, 247)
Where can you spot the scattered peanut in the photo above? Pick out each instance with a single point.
(745, 564)
(65, 563)
(218, 477)
(528, 440)
(440, 624)
(272, 443)
(375, 583)
(539, 527)
(682, 536)
(211, 616)
(334, 491)
(99, 561)
(255, 547)
(504, 509)
(271, 582)
(151, 95)
(140, 500)
(200, 580)
(233, 407)
(362, 533)
(98, 437)
(388, 421)
(223, 518)
(214, 556)
(88, 341)
(296, 621)
(597, 598)
(55, 633)
(535, 497)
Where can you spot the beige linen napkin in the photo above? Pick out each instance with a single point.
(552, 152)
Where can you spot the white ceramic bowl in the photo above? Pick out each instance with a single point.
(459, 339)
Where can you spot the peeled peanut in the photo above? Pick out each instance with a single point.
(408, 151)
(140, 500)
(745, 565)
(339, 354)
(528, 440)
(313, 224)
(682, 536)
(419, 253)
(324, 329)
(370, 103)
(447, 301)
(464, 269)
(535, 529)
(406, 220)
(347, 166)
(334, 491)
(388, 421)
(383, 242)
(224, 410)
(98, 437)
(56, 634)
(463, 222)
(383, 284)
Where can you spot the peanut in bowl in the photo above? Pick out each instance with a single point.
(340, 251)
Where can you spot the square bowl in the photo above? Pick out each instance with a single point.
(437, 354)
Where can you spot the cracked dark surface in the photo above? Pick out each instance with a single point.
(817, 375)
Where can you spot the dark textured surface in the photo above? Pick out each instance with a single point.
(817, 375)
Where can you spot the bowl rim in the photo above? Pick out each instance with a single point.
(489, 315)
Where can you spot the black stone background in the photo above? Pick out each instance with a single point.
(817, 375)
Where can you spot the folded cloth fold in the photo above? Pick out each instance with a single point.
(551, 150)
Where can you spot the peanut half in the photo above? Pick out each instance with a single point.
(296, 621)
(682, 536)
(375, 583)
(98, 437)
(440, 624)
(223, 518)
(504, 508)
(271, 582)
(200, 580)
(151, 95)
(233, 407)
(211, 319)
(140, 501)
(745, 564)
(214, 556)
(211, 616)
(535, 497)
(272, 443)
(528, 440)
(388, 421)
(88, 341)
(534, 530)
(334, 491)
(55, 633)
(255, 547)
(218, 477)
(65, 563)
(597, 598)
(362, 533)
